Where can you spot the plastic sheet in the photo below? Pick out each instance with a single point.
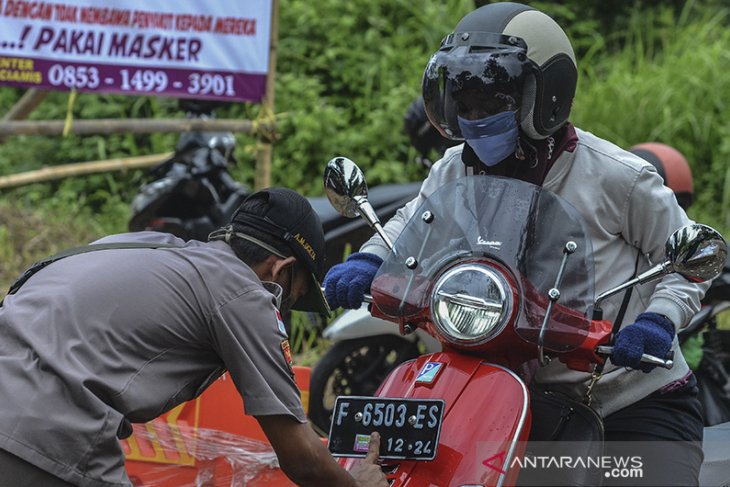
(206, 442)
(198, 457)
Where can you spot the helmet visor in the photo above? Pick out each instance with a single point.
(473, 76)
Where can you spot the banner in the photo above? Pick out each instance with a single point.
(212, 49)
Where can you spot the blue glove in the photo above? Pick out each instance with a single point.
(651, 333)
(345, 284)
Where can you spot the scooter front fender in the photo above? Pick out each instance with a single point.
(485, 425)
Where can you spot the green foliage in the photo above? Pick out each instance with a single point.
(649, 70)
(668, 84)
(347, 72)
(29, 233)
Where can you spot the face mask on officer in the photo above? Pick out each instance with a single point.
(287, 296)
(293, 286)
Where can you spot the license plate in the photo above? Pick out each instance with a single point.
(409, 428)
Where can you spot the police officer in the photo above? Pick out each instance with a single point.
(100, 339)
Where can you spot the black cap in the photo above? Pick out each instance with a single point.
(290, 217)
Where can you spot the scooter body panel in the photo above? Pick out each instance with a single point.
(486, 421)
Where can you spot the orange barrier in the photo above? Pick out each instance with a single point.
(206, 442)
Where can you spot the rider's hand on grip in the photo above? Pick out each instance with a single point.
(368, 472)
(345, 284)
(650, 334)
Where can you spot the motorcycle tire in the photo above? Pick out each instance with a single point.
(354, 367)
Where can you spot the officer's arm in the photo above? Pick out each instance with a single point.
(306, 461)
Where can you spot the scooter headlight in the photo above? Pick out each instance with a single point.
(471, 304)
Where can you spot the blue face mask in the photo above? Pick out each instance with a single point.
(492, 138)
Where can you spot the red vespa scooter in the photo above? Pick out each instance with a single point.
(500, 272)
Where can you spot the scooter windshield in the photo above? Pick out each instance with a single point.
(523, 227)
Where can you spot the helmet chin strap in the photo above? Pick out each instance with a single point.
(526, 150)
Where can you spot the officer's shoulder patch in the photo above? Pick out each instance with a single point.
(286, 350)
(280, 323)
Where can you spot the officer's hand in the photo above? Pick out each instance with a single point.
(345, 284)
(651, 333)
(368, 472)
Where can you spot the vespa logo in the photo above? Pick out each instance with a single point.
(495, 244)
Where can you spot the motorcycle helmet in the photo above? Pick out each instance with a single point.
(502, 56)
(672, 166)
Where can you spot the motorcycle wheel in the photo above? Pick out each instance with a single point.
(354, 367)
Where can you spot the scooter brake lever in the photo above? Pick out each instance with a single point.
(667, 362)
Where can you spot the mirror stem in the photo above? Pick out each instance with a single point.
(653, 273)
(367, 212)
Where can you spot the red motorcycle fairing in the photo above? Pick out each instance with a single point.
(486, 422)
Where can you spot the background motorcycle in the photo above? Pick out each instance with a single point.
(490, 317)
(192, 193)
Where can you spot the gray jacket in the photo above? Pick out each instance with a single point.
(629, 212)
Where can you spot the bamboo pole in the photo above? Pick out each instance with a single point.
(133, 126)
(80, 168)
(264, 150)
(25, 106)
(27, 103)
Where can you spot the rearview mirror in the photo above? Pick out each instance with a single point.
(697, 252)
(347, 191)
(345, 185)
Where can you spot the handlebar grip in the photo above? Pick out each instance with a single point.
(667, 362)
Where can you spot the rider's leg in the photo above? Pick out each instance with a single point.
(672, 421)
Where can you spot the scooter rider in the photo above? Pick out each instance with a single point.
(504, 82)
(97, 340)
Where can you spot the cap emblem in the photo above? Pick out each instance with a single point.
(308, 248)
